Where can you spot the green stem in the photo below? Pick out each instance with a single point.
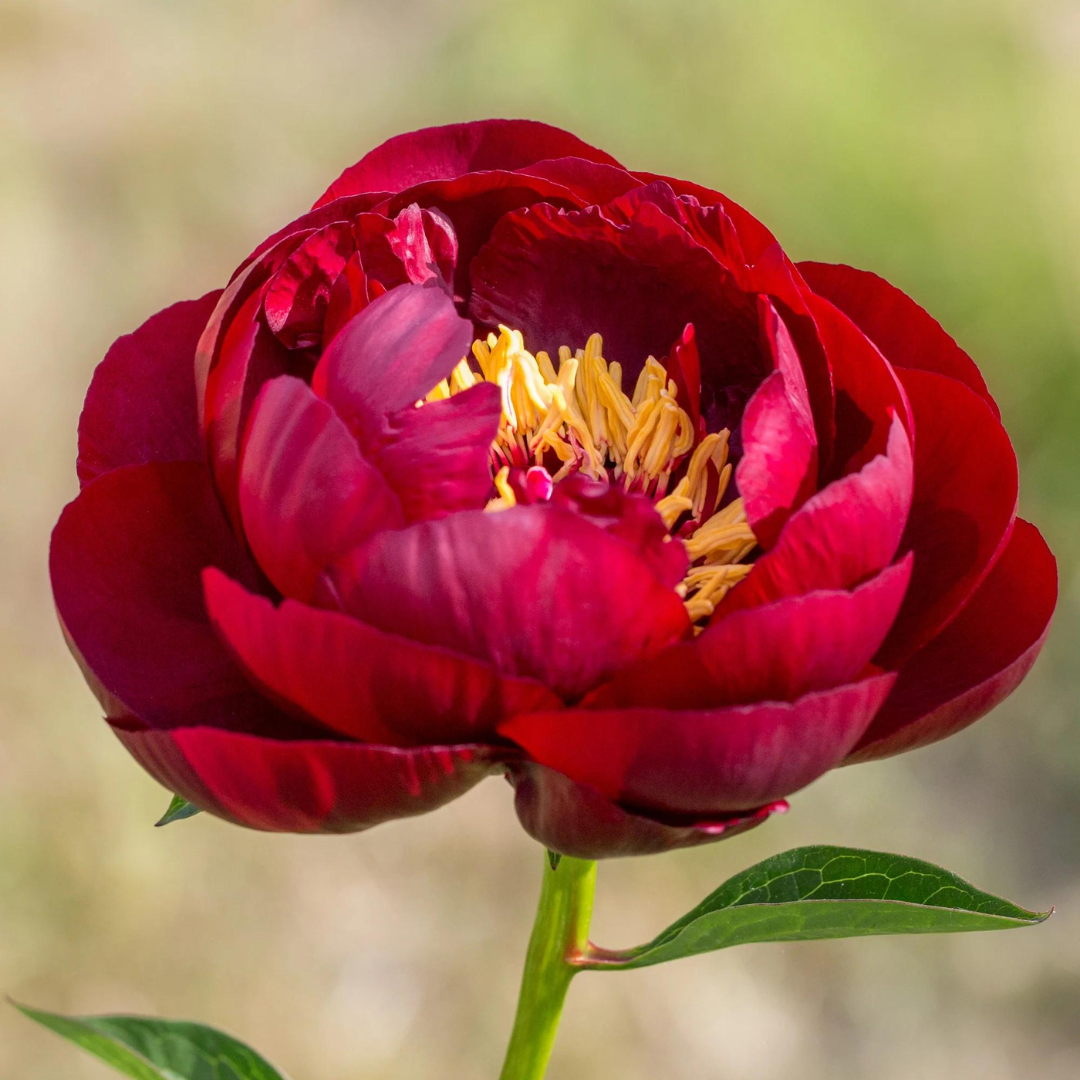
(560, 937)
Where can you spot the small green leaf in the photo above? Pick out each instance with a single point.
(554, 858)
(178, 810)
(146, 1049)
(825, 892)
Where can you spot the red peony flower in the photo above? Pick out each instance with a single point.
(506, 459)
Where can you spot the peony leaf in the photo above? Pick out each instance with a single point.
(146, 1049)
(178, 810)
(825, 892)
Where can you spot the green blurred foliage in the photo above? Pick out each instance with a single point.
(145, 147)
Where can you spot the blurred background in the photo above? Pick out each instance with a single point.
(147, 146)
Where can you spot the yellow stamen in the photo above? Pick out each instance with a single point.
(579, 413)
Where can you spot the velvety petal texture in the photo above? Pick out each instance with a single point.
(335, 559)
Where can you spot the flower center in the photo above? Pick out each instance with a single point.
(579, 419)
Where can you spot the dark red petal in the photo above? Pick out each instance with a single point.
(125, 562)
(362, 682)
(841, 535)
(963, 506)
(754, 239)
(390, 356)
(307, 496)
(535, 590)
(907, 335)
(867, 391)
(980, 657)
(297, 297)
(442, 153)
(776, 652)
(559, 276)
(305, 787)
(437, 457)
(591, 181)
(250, 356)
(778, 470)
(703, 763)
(141, 403)
(575, 819)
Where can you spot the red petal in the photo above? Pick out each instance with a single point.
(360, 681)
(778, 470)
(963, 506)
(297, 297)
(534, 590)
(305, 787)
(559, 276)
(574, 819)
(125, 562)
(776, 652)
(437, 457)
(141, 403)
(439, 153)
(390, 356)
(907, 335)
(867, 392)
(307, 496)
(841, 535)
(703, 762)
(591, 181)
(978, 660)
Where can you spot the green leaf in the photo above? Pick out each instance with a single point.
(554, 858)
(825, 892)
(178, 810)
(146, 1049)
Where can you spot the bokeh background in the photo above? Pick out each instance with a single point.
(146, 146)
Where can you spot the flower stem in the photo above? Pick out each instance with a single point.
(560, 936)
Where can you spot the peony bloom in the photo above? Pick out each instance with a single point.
(507, 460)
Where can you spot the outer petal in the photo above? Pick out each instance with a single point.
(390, 355)
(535, 590)
(966, 484)
(125, 562)
(702, 763)
(978, 660)
(575, 819)
(844, 533)
(305, 786)
(903, 331)
(362, 682)
(442, 153)
(867, 392)
(141, 403)
(778, 470)
(775, 652)
(307, 496)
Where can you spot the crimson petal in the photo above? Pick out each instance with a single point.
(703, 762)
(537, 591)
(980, 657)
(964, 503)
(778, 470)
(125, 562)
(575, 819)
(841, 535)
(908, 336)
(305, 786)
(141, 403)
(775, 652)
(390, 356)
(307, 495)
(362, 682)
(442, 153)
